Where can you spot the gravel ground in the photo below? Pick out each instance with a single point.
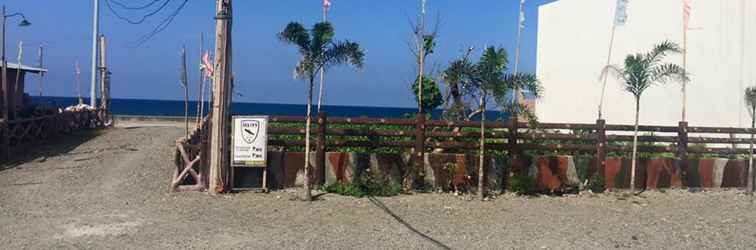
(109, 190)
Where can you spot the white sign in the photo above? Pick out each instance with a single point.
(250, 141)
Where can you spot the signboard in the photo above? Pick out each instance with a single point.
(250, 141)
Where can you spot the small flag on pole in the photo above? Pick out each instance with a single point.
(206, 65)
(522, 14)
(327, 5)
(686, 13)
(620, 16)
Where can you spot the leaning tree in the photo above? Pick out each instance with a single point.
(318, 51)
(641, 71)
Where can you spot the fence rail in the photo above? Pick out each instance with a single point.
(19, 132)
(419, 135)
(423, 135)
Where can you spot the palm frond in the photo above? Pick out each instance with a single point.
(296, 34)
(665, 72)
(322, 35)
(344, 52)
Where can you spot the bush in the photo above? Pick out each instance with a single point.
(522, 184)
(597, 183)
(363, 186)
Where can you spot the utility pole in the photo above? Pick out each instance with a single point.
(95, 35)
(221, 98)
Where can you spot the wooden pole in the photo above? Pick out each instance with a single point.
(201, 83)
(185, 85)
(321, 150)
(220, 117)
(41, 65)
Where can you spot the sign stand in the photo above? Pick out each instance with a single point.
(249, 137)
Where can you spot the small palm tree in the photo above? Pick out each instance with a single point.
(489, 79)
(750, 97)
(318, 51)
(641, 71)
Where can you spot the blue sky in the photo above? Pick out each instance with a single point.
(263, 65)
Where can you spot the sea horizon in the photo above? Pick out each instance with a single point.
(159, 107)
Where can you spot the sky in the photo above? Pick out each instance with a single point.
(263, 66)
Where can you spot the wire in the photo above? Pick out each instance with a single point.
(162, 25)
(135, 8)
(141, 19)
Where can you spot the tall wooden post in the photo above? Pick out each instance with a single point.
(682, 151)
(221, 99)
(419, 154)
(320, 157)
(600, 147)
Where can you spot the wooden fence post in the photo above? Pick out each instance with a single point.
(682, 151)
(320, 155)
(600, 147)
(419, 149)
(514, 152)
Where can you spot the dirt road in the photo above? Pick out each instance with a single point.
(109, 190)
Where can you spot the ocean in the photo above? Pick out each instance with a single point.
(141, 107)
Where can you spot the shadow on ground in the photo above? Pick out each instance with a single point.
(50, 147)
(388, 211)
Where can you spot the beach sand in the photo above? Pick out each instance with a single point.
(109, 190)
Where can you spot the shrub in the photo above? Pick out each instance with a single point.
(597, 183)
(363, 186)
(522, 184)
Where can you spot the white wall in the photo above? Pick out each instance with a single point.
(573, 43)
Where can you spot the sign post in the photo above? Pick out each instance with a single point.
(250, 144)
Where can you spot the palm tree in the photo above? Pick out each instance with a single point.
(641, 71)
(318, 51)
(490, 80)
(456, 78)
(750, 97)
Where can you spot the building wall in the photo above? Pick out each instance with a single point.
(573, 44)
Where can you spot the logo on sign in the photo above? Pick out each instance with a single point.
(249, 130)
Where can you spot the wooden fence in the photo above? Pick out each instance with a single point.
(420, 135)
(19, 132)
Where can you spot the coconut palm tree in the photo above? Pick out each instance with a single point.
(641, 71)
(489, 79)
(750, 97)
(318, 51)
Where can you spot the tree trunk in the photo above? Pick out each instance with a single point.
(308, 191)
(481, 165)
(635, 146)
(750, 153)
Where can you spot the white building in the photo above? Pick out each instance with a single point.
(573, 44)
